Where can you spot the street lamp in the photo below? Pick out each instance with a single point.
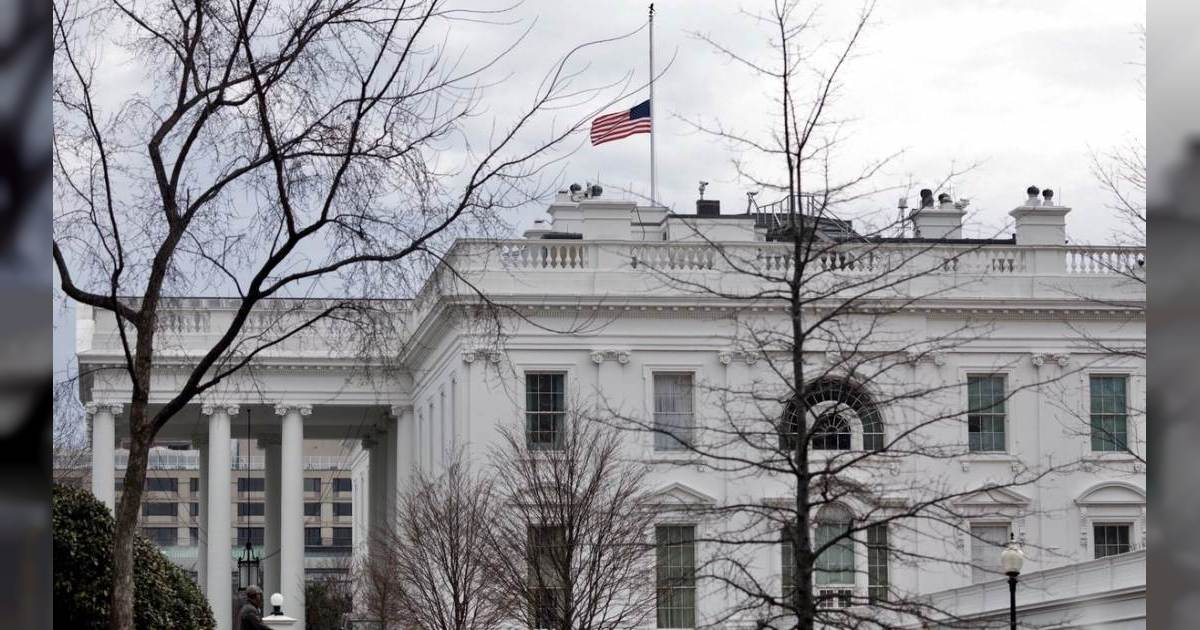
(1011, 560)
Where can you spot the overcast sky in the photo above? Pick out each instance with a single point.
(1024, 88)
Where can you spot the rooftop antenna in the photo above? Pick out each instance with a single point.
(703, 185)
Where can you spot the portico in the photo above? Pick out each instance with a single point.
(280, 428)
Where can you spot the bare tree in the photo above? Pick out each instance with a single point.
(376, 582)
(273, 150)
(572, 532)
(438, 554)
(849, 450)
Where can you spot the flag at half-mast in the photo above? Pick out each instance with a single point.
(621, 124)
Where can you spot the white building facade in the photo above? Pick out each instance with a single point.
(1053, 314)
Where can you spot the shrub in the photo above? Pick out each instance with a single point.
(165, 598)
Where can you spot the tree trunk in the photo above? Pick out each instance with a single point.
(125, 527)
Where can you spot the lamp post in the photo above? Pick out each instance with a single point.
(1011, 560)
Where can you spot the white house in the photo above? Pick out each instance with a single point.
(1049, 309)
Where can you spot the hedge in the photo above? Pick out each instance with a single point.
(165, 598)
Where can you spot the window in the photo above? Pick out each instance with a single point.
(251, 484)
(342, 509)
(545, 409)
(545, 550)
(312, 484)
(158, 509)
(162, 484)
(673, 416)
(250, 509)
(788, 427)
(193, 509)
(162, 536)
(1109, 413)
(1110, 539)
(831, 432)
(676, 551)
(312, 536)
(985, 413)
(194, 485)
(343, 536)
(253, 534)
(877, 563)
(194, 536)
(847, 397)
(341, 484)
(312, 509)
(987, 540)
(834, 565)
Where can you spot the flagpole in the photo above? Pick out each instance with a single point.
(653, 164)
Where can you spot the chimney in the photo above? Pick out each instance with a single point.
(940, 221)
(708, 207)
(606, 219)
(1040, 221)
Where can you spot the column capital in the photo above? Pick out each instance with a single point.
(94, 407)
(398, 411)
(210, 408)
(282, 409)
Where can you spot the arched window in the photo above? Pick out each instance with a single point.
(831, 432)
(828, 432)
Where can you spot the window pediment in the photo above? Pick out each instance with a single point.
(1112, 493)
(994, 497)
(680, 495)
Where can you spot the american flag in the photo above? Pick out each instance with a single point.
(621, 124)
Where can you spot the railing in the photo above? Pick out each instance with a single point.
(190, 460)
(544, 254)
(1105, 260)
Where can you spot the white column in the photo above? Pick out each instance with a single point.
(402, 446)
(291, 509)
(220, 545)
(104, 445)
(200, 442)
(391, 487)
(273, 455)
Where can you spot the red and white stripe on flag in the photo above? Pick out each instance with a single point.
(619, 125)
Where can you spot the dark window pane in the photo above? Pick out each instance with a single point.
(194, 484)
(193, 509)
(343, 536)
(673, 416)
(162, 536)
(194, 536)
(312, 509)
(341, 484)
(250, 509)
(1111, 539)
(831, 432)
(312, 536)
(877, 563)
(251, 484)
(254, 534)
(312, 484)
(158, 509)
(342, 509)
(162, 484)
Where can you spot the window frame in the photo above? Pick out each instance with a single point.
(1127, 380)
(338, 506)
(1128, 525)
(146, 510)
(304, 485)
(980, 574)
(1005, 414)
(658, 445)
(568, 386)
(662, 618)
